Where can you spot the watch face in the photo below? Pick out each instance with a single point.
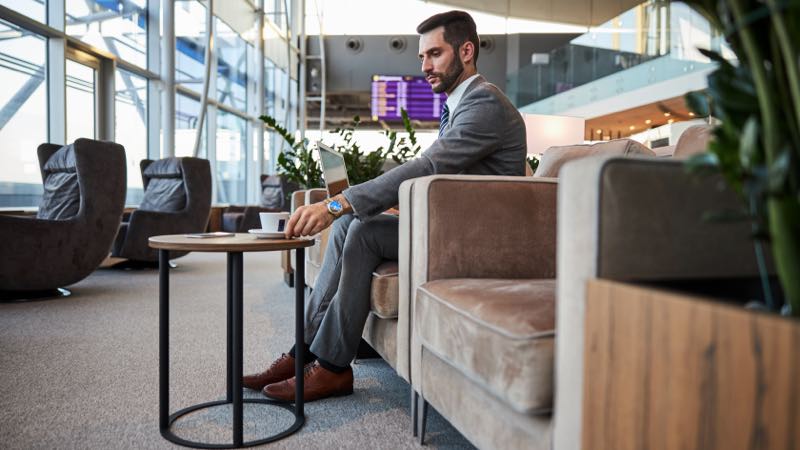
(335, 207)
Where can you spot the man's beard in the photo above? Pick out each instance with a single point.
(449, 77)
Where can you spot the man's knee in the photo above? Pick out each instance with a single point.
(363, 234)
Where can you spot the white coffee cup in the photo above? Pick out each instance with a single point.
(274, 222)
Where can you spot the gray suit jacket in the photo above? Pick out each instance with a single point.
(485, 135)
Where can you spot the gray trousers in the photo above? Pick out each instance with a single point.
(338, 307)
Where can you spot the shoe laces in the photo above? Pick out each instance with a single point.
(310, 369)
(280, 360)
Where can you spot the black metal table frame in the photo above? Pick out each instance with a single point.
(235, 321)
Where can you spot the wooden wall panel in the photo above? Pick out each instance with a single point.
(666, 371)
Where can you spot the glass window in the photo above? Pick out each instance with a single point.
(35, 9)
(130, 127)
(231, 67)
(118, 26)
(269, 87)
(80, 101)
(187, 114)
(23, 115)
(231, 158)
(190, 43)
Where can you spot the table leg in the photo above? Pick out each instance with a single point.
(163, 339)
(238, 319)
(299, 301)
(229, 328)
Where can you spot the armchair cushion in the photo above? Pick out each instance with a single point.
(61, 199)
(385, 291)
(165, 190)
(498, 332)
(555, 157)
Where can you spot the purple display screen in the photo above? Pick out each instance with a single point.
(412, 93)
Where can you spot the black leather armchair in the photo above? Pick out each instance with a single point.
(177, 199)
(84, 195)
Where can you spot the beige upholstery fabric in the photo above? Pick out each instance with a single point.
(428, 250)
(555, 157)
(385, 290)
(482, 418)
(314, 254)
(499, 333)
(381, 334)
(693, 140)
(633, 219)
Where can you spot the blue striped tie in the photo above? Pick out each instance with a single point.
(444, 119)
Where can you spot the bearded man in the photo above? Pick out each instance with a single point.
(480, 133)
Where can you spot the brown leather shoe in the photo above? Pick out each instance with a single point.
(281, 369)
(318, 383)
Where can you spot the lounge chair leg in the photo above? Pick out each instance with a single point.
(422, 412)
(414, 399)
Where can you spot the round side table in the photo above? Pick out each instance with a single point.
(234, 246)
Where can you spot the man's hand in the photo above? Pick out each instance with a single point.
(309, 220)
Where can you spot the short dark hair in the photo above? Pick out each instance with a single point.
(458, 29)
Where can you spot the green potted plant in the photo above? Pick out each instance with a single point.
(757, 145)
(296, 164)
(299, 166)
(362, 166)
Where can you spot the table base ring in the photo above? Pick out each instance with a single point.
(170, 436)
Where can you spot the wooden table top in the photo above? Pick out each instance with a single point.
(241, 242)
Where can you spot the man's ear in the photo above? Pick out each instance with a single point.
(467, 52)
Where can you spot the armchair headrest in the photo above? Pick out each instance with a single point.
(61, 199)
(164, 168)
(164, 187)
(62, 160)
(555, 157)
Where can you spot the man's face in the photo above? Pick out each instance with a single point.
(440, 63)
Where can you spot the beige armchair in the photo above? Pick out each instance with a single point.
(477, 274)
(482, 342)
(639, 221)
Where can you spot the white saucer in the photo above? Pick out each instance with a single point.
(261, 234)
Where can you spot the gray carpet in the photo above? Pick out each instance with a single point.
(82, 371)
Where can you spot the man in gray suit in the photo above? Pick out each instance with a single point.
(480, 133)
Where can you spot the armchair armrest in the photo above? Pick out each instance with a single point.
(469, 226)
(316, 253)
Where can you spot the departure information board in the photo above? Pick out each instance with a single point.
(412, 93)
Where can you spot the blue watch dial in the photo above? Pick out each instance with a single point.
(334, 207)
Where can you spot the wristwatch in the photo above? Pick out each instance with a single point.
(334, 207)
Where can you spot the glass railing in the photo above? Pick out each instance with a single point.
(654, 41)
(569, 67)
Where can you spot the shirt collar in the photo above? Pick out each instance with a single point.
(455, 97)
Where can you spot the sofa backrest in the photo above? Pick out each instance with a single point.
(164, 186)
(61, 199)
(555, 157)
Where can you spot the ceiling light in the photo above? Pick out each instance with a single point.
(599, 131)
(667, 114)
(671, 120)
(631, 127)
(648, 122)
(691, 114)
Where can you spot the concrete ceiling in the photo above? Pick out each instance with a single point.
(576, 12)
